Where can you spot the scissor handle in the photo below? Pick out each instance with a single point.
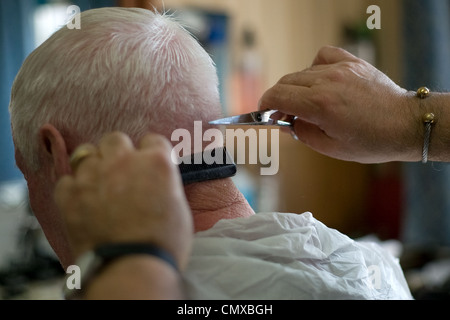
(265, 116)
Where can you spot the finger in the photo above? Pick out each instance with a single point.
(292, 85)
(305, 78)
(281, 116)
(64, 191)
(314, 137)
(291, 100)
(150, 141)
(115, 145)
(81, 154)
(330, 55)
(156, 144)
(88, 171)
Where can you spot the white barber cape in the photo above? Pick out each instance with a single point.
(281, 256)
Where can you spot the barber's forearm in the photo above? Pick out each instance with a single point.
(136, 278)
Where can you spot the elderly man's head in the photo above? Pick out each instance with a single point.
(129, 70)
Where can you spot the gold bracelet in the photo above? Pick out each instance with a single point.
(428, 121)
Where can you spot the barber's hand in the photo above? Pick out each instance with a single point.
(124, 194)
(349, 110)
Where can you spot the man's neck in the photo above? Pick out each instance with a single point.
(215, 200)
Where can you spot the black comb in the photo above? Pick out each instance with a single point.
(197, 172)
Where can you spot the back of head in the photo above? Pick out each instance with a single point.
(126, 69)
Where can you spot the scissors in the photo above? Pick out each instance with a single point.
(256, 118)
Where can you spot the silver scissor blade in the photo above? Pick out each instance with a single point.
(225, 121)
(235, 120)
(252, 118)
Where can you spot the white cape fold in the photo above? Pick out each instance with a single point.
(284, 256)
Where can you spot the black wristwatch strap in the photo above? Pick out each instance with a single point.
(110, 252)
(91, 263)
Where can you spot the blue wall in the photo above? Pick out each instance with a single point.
(16, 42)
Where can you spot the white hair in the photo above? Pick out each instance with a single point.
(126, 69)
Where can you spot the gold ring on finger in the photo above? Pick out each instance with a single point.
(81, 153)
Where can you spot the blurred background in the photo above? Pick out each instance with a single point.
(405, 207)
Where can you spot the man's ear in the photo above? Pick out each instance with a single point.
(54, 149)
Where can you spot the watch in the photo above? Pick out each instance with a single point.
(92, 262)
